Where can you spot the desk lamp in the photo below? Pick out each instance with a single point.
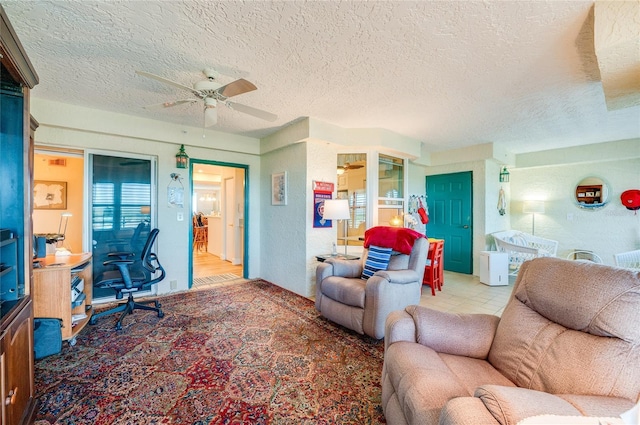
(62, 232)
(337, 209)
(58, 237)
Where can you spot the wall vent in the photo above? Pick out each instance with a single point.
(61, 162)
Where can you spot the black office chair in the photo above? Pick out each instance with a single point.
(129, 277)
(135, 244)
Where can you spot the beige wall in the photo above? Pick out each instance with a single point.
(605, 231)
(48, 221)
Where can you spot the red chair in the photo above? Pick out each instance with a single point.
(433, 271)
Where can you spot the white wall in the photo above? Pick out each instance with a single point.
(283, 234)
(322, 161)
(605, 231)
(82, 128)
(282, 240)
(416, 177)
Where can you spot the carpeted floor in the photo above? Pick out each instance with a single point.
(203, 281)
(248, 353)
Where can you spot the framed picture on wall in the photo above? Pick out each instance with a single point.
(49, 195)
(279, 188)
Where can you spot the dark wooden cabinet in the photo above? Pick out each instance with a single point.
(17, 78)
(17, 387)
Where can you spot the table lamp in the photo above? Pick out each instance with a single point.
(337, 209)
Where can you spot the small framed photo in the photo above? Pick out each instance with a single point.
(279, 188)
(590, 194)
(49, 195)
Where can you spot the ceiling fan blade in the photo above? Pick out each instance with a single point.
(249, 110)
(170, 104)
(210, 116)
(164, 80)
(237, 87)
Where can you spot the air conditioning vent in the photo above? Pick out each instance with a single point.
(61, 162)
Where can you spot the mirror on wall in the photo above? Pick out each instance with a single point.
(592, 193)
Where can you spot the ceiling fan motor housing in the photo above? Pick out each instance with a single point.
(207, 87)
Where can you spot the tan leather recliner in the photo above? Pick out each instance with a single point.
(568, 343)
(363, 305)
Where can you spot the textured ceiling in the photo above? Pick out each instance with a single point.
(522, 74)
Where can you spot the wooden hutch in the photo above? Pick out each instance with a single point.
(17, 78)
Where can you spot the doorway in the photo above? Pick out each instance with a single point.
(449, 197)
(219, 232)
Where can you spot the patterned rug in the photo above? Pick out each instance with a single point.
(248, 353)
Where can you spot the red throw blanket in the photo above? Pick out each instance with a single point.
(399, 239)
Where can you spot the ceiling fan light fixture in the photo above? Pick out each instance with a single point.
(210, 116)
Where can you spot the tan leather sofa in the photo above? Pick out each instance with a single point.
(568, 343)
(363, 305)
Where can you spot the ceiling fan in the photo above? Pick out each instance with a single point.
(212, 94)
(347, 166)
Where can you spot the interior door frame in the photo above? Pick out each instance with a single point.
(245, 249)
(88, 202)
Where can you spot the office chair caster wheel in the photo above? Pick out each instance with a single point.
(118, 326)
(160, 314)
(72, 341)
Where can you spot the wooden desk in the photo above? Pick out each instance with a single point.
(52, 287)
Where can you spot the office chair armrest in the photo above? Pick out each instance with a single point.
(123, 255)
(117, 262)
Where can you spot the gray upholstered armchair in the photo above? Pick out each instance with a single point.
(363, 305)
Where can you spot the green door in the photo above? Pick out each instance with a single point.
(450, 218)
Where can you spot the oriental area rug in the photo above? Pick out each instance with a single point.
(243, 353)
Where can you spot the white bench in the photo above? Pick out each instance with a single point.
(522, 247)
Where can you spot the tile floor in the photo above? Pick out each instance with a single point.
(462, 293)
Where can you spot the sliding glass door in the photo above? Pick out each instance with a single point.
(120, 209)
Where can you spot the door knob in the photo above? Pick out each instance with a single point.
(466, 226)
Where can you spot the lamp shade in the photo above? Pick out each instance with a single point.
(535, 207)
(336, 209)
